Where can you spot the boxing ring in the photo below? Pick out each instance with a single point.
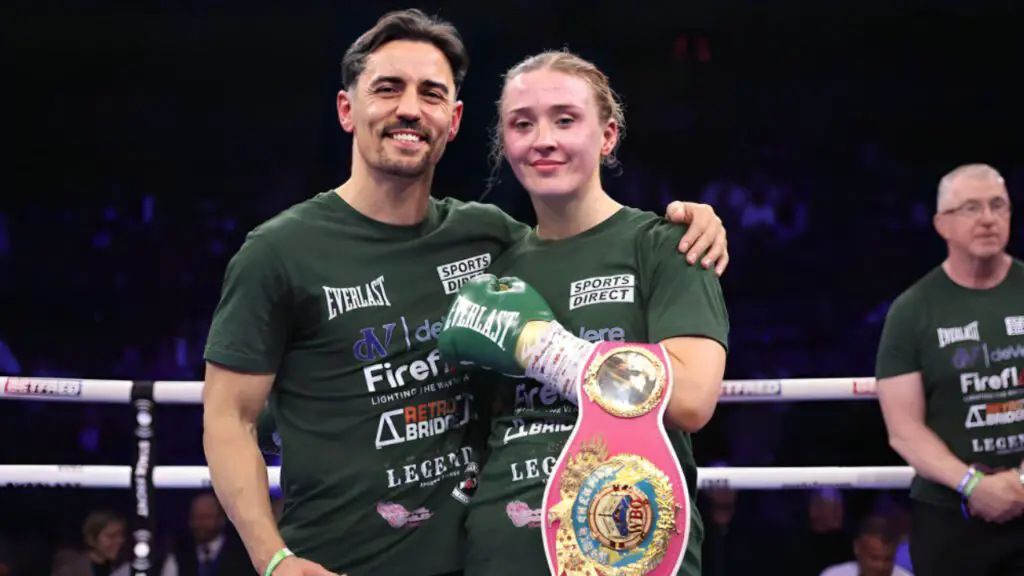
(143, 476)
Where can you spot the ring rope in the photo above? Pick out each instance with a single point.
(179, 392)
(197, 477)
(144, 477)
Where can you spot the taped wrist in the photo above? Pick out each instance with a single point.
(554, 359)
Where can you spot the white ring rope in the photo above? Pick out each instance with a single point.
(195, 477)
(174, 392)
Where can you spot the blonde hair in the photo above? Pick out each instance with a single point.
(609, 107)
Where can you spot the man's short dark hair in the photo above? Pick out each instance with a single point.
(412, 25)
(881, 528)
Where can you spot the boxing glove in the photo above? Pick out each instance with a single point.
(485, 322)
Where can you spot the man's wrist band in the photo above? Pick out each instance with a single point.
(966, 487)
(276, 560)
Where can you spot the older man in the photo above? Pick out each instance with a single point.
(949, 382)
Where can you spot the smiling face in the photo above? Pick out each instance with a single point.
(402, 111)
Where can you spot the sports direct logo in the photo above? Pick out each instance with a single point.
(602, 289)
(454, 274)
(42, 387)
(422, 421)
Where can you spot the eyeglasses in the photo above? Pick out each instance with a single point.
(974, 208)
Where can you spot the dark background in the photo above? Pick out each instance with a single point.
(148, 138)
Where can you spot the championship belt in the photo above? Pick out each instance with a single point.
(617, 502)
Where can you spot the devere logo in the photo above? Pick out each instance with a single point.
(376, 342)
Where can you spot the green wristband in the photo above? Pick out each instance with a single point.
(972, 484)
(281, 555)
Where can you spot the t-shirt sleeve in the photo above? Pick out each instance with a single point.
(250, 325)
(898, 353)
(683, 299)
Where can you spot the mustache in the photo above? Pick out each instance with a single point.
(410, 126)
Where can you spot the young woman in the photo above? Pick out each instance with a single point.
(608, 272)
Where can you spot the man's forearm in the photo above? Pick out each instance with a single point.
(239, 477)
(928, 455)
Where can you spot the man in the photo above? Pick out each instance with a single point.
(332, 310)
(874, 550)
(949, 383)
(210, 549)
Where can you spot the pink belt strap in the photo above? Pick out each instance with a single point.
(617, 503)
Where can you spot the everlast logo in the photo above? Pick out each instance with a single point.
(341, 300)
(974, 382)
(949, 336)
(491, 324)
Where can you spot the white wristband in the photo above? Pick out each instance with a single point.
(555, 359)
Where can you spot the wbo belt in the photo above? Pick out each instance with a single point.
(617, 502)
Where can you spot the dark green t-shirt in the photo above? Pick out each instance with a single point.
(623, 280)
(373, 426)
(968, 346)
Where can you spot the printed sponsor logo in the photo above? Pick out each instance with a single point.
(602, 290)
(713, 483)
(375, 341)
(751, 388)
(997, 414)
(522, 516)
(464, 491)
(975, 383)
(398, 517)
(42, 387)
(965, 333)
(141, 551)
(998, 444)
(966, 357)
(1007, 353)
(454, 274)
(423, 420)
(865, 387)
(429, 472)
(613, 334)
(369, 295)
(532, 396)
(399, 376)
(488, 322)
(533, 468)
(1014, 325)
(520, 429)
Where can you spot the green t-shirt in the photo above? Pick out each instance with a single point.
(623, 280)
(968, 346)
(373, 426)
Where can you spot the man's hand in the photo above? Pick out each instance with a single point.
(998, 497)
(706, 234)
(295, 566)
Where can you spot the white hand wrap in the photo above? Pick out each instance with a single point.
(555, 358)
